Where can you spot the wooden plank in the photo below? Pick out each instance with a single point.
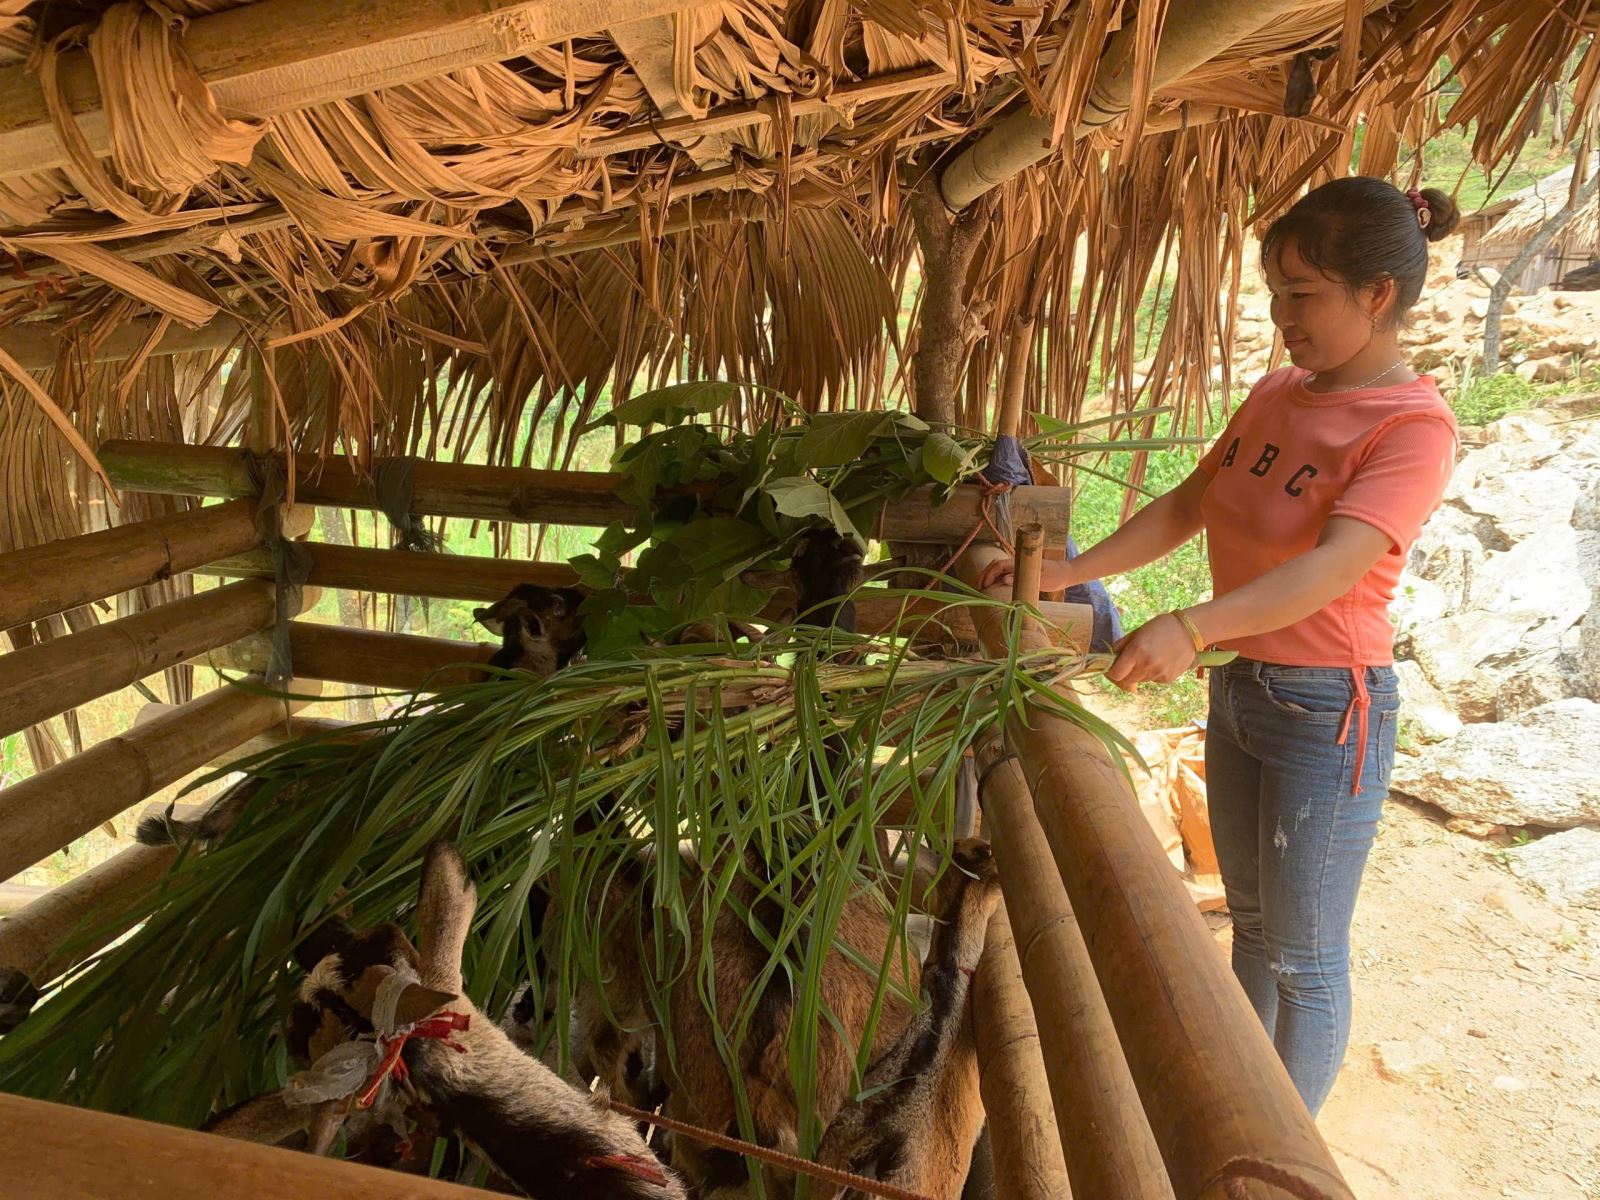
(55, 1152)
(59, 576)
(648, 47)
(45, 812)
(585, 498)
(260, 59)
(42, 680)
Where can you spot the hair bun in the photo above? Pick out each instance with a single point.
(1444, 214)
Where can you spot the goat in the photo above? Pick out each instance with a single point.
(540, 628)
(922, 1115)
(545, 1136)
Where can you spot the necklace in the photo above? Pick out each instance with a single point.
(1356, 387)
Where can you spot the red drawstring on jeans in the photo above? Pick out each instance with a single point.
(1359, 704)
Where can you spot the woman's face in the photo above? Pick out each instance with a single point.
(1324, 326)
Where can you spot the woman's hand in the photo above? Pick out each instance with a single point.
(1159, 651)
(1053, 576)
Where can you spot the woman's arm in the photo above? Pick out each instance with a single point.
(1157, 529)
(1162, 649)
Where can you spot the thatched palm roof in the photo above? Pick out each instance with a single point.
(438, 227)
(1537, 203)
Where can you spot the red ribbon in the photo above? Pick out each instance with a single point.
(637, 1165)
(437, 1028)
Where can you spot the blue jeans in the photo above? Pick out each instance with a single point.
(1292, 838)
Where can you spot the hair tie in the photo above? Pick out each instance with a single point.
(1420, 203)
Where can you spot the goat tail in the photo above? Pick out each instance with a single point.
(164, 829)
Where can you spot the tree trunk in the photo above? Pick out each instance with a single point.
(1513, 270)
(948, 243)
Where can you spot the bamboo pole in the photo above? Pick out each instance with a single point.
(1105, 1135)
(584, 498)
(366, 657)
(1223, 1110)
(262, 60)
(1011, 1075)
(42, 680)
(54, 1152)
(58, 576)
(70, 922)
(279, 733)
(38, 346)
(1194, 33)
(43, 813)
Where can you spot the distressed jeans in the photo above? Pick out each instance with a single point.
(1292, 839)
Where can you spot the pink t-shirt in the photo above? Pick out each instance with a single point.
(1292, 458)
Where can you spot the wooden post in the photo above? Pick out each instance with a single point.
(367, 657)
(52, 934)
(57, 576)
(1011, 1076)
(39, 681)
(1223, 1111)
(43, 813)
(584, 498)
(55, 1152)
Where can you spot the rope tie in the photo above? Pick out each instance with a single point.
(291, 561)
(775, 1158)
(986, 518)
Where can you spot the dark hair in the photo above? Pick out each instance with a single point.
(1362, 230)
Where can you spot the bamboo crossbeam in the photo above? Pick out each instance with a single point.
(42, 680)
(37, 346)
(1011, 1076)
(70, 922)
(1194, 33)
(279, 733)
(58, 576)
(1105, 1136)
(525, 494)
(19, 895)
(280, 55)
(43, 813)
(1222, 1108)
(54, 1152)
(366, 657)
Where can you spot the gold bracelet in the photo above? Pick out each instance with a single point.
(1194, 630)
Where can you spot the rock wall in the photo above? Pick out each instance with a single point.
(1498, 630)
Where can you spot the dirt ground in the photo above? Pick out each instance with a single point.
(1485, 999)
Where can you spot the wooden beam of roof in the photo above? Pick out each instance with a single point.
(280, 55)
(740, 116)
(36, 346)
(648, 47)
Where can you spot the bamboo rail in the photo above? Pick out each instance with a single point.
(37, 345)
(1223, 1110)
(70, 922)
(367, 657)
(40, 681)
(43, 813)
(1011, 1076)
(279, 733)
(58, 576)
(54, 1152)
(522, 493)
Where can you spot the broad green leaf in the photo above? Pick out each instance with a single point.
(943, 458)
(838, 438)
(797, 496)
(669, 405)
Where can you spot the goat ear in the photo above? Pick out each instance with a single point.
(418, 1002)
(444, 915)
(333, 936)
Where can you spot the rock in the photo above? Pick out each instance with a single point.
(1582, 404)
(1449, 553)
(1417, 601)
(1585, 669)
(1424, 706)
(1550, 572)
(1519, 502)
(1565, 866)
(1477, 829)
(1519, 427)
(1533, 683)
(1545, 370)
(1464, 654)
(1479, 308)
(1586, 509)
(1535, 770)
(1509, 1083)
(1399, 1061)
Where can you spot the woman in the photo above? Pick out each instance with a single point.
(1310, 500)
